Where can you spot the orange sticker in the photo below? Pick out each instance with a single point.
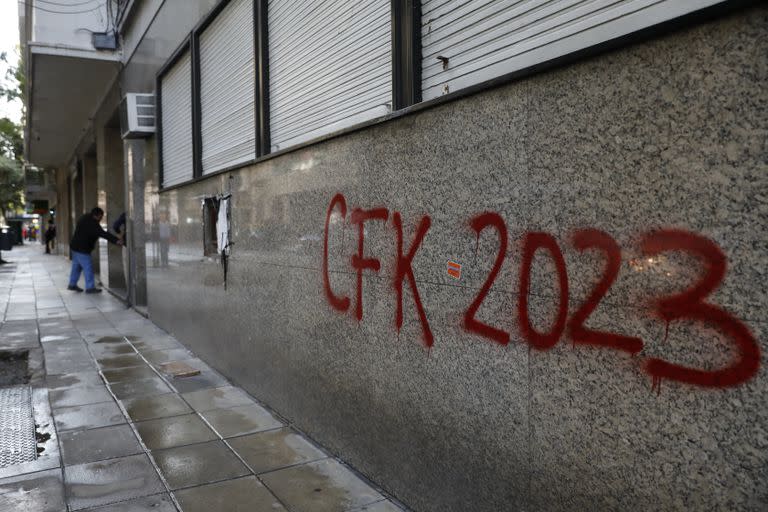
(454, 269)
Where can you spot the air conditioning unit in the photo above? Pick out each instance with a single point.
(137, 115)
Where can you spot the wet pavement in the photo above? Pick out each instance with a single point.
(117, 434)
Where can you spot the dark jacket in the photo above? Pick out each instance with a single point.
(87, 232)
(119, 224)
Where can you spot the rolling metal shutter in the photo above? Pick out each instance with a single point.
(330, 66)
(483, 39)
(176, 122)
(227, 78)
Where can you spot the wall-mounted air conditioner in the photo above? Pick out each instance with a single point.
(137, 115)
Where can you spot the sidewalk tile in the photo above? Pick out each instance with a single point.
(110, 481)
(267, 451)
(138, 388)
(174, 431)
(156, 343)
(241, 495)
(217, 398)
(208, 379)
(128, 374)
(157, 503)
(165, 356)
(322, 486)
(38, 492)
(379, 506)
(122, 361)
(63, 365)
(74, 380)
(160, 406)
(198, 464)
(241, 420)
(79, 396)
(90, 416)
(111, 350)
(82, 446)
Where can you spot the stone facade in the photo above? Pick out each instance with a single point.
(669, 133)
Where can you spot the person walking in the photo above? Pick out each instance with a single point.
(87, 232)
(50, 236)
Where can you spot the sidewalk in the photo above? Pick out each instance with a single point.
(84, 386)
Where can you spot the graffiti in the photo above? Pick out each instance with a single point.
(359, 261)
(405, 270)
(688, 305)
(594, 239)
(478, 224)
(531, 243)
(338, 303)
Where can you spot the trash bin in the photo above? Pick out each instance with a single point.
(7, 239)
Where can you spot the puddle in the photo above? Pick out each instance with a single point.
(98, 490)
(120, 361)
(116, 339)
(46, 339)
(14, 367)
(110, 339)
(42, 438)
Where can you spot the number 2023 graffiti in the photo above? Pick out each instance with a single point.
(691, 304)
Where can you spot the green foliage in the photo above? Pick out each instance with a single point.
(11, 184)
(12, 87)
(11, 140)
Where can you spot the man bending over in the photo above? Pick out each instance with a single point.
(87, 232)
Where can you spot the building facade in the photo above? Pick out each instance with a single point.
(498, 255)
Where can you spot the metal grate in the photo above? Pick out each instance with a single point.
(17, 426)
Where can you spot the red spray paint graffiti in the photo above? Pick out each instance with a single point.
(593, 239)
(337, 303)
(359, 261)
(478, 224)
(531, 243)
(404, 270)
(689, 304)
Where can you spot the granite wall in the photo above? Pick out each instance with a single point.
(111, 191)
(667, 134)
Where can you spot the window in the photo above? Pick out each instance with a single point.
(466, 43)
(176, 122)
(330, 66)
(227, 81)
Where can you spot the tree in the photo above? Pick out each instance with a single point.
(13, 88)
(11, 184)
(11, 144)
(11, 140)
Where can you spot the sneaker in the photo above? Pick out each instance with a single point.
(93, 290)
(74, 288)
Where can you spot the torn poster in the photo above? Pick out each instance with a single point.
(222, 226)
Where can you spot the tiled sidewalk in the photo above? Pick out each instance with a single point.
(132, 438)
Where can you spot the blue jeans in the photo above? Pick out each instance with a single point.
(82, 261)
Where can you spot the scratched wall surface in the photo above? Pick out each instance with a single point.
(668, 134)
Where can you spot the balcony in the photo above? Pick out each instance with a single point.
(71, 60)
